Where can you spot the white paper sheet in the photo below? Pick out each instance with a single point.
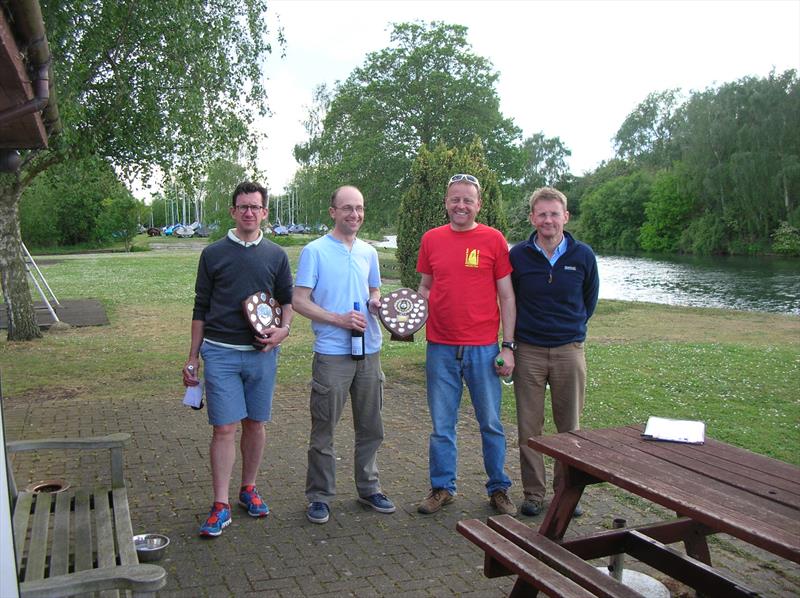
(675, 430)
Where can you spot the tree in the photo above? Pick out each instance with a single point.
(63, 204)
(667, 212)
(120, 218)
(613, 213)
(740, 149)
(422, 206)
(545, 164)
(141, 86)
(221, 177)
(426, 88)
(645, 136)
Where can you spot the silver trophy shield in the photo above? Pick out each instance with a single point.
(262, 311)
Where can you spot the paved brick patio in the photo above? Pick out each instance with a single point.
(359, 552)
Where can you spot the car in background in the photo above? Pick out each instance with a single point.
(280, 231)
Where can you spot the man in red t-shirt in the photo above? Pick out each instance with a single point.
(465, 268)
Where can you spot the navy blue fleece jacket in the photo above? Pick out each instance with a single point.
(554, 303)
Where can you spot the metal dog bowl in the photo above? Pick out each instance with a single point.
(150, 547)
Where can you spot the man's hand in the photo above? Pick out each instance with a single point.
(352, 320)
(505, 370)
(191, 372)
(374, 305)
(271, 338)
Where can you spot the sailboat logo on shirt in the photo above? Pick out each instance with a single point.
(472, 258)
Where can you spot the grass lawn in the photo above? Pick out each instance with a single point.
(737, 371)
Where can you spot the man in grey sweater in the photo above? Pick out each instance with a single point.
(240, 366)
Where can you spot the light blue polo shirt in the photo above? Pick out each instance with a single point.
(561, 248)
(338, 277)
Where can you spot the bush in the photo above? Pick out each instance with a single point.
(704, 236)
(786, 240)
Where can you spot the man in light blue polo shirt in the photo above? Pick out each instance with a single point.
(338, 277)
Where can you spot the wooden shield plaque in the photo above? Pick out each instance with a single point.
(262, 311)
(403, 312)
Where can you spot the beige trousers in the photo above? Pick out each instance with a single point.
(564, 368)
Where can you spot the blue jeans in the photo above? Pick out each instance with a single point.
(445, 373)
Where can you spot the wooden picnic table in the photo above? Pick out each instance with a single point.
(713, 488)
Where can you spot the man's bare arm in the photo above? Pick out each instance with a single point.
(425, 285)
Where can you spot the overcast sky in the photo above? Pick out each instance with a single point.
(570, 69)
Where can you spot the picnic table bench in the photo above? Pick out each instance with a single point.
(712, 488)
(540, 564)
(79, 540)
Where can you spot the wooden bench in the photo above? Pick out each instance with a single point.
(541, 565)
(79, 540)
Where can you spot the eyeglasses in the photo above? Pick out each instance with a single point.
(243, 209)
(457, 178)
(350, 209)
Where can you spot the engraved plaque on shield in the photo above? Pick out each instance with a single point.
(262, 311)
(403, 312)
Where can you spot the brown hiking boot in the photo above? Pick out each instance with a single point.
(501, 503)
(437, 498)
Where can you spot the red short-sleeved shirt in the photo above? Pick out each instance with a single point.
(465, 266)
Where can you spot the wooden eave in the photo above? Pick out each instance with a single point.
(28, 131)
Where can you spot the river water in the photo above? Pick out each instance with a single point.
(746, 283)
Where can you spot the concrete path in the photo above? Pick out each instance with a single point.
(358, 552)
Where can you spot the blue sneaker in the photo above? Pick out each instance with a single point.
(318, 512)
(379, 502)
(218, 519)
(251, 500)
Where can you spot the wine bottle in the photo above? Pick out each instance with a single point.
(357, 339)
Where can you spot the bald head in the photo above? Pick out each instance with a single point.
(345, 190)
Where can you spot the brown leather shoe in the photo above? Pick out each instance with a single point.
(436, 499)
(501, 503)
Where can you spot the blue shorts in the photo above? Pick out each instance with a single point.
(239, 384)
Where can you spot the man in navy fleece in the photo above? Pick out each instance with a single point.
(556, 286)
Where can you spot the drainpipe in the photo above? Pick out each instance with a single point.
(42, 92)
(27, 16)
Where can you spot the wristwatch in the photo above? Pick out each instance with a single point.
(509, 345)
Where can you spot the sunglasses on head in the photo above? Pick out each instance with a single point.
(457, 178)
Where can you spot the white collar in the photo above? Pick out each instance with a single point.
(232, 236)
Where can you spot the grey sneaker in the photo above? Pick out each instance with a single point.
(531, 507)
(436, 499)
(501, 503)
